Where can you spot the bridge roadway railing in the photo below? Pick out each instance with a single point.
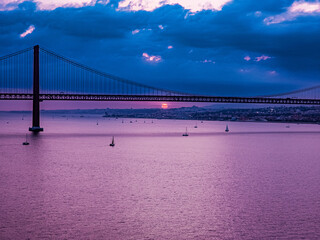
(157, 98)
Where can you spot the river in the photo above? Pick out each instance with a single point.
(259, 181)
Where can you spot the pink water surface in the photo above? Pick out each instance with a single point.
(259, 181)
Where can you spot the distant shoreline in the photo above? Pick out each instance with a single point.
(190, 114)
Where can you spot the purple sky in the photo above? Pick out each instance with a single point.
(224, 47)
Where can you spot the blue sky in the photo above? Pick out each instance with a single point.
(222, 47)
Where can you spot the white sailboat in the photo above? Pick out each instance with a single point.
(186, 133)
(26, 142)
(112, 144)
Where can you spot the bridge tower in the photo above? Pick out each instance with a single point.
(36, 92)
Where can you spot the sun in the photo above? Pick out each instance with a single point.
(164, 106)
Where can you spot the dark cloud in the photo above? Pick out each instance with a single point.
(100, 36)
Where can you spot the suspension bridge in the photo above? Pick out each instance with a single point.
(39, 74)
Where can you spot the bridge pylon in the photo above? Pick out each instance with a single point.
(36, 92)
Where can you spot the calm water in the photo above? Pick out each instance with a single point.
(259, 181)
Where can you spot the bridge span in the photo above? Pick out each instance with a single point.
(38, 74)
(156, 98)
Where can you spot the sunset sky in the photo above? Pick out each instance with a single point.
(217, 47)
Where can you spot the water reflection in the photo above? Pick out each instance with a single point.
(259, 181)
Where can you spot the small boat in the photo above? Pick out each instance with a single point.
(112, 144)
(227, 129)
(186, 133)
(196, 126)
(26, 142)
(130, 121)
(97, 122)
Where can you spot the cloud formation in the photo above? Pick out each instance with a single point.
(247, 58)
(245, 49)
(135, 31)
(150, 5)
(297, 9)
(151, 58)
(49, 4)
(208, 61)
(263, 57)
(29, 30)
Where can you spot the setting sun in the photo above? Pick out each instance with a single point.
(164, 106)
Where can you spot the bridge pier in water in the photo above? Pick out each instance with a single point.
(36, 92)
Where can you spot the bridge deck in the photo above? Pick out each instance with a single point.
(182, 98)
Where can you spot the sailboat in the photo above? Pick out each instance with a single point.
(227, 129)
(26, 142)
(112, 142)
(186, 133)
(196, 126)
(97, 122)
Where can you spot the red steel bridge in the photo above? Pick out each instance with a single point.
(39, 74)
